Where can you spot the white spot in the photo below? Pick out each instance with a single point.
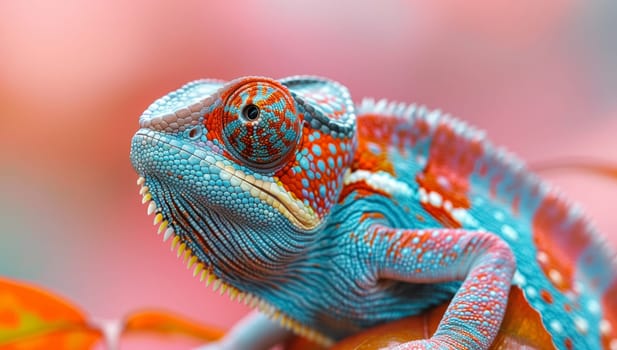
(605, 327)
(509, 232)
(578, 287)
(519, 279)
(423, 195)
(421, 161)
(225, 175)
(498, 216)
(593, 306)
(531, 292)
(433, 116)
(555, 276)
(383, 181)
(447, 205)
(234, 181)
(459, 214)
(435, 199)
(462, 215)
(556, 326)
(571, 296)
(581, 324)
(542, 257)
(443, 181)
(613, 344)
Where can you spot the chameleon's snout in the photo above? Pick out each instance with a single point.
(181, 109)
(171, 121)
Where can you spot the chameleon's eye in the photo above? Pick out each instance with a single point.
(250, 112)
(260, 125)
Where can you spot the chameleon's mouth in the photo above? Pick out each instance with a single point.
(206, 273)
(295, 210)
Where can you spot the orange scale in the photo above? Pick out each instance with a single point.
(368, 215)
(368, 160)
(444, 217)
(213, 125)
(360, 189)
(353, 236)
(546, 296)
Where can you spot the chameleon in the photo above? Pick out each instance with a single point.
(331, 217)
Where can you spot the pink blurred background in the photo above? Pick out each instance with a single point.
(540, 77)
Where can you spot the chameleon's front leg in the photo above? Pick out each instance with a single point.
(481, 260)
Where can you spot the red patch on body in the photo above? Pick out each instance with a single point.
(451, 162)
(392, 131)
(292, 181)
(378, 134)
(561, 240)
(373, 157)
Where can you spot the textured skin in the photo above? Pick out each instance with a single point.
(334, 218)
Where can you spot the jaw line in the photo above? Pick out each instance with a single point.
(301, 215)
(207, 275)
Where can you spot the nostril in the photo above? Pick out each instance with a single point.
(195, 132)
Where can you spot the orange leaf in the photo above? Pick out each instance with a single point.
(32, 318)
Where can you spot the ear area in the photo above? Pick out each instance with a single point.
(326, 104)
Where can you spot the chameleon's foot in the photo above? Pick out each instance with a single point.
(430, 344)
(482, 260)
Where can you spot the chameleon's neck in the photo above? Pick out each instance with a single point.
(256, 257)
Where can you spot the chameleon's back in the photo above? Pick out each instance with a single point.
(446, 175)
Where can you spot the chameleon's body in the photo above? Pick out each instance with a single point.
(334, 218)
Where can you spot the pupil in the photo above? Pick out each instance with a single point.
(250, 112)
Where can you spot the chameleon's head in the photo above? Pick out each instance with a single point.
(248, 170)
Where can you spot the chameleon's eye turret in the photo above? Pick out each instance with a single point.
(260, 125)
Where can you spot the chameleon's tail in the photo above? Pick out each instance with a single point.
(590, 166)
(606, 257)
